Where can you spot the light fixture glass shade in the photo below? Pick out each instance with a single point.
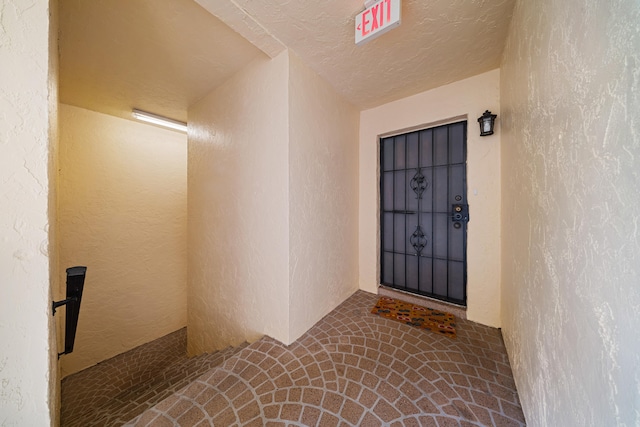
(159, 120)
(486, 121)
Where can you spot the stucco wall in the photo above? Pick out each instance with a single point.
(470, 98)
(26, 382)
(570, 93)
(323, 198)
(238, 209)
(122, 213)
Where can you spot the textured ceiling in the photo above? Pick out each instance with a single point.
(438, 42)
(164, 55)
(159, 56)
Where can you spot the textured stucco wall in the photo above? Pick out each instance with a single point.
(25, 111)
(469, 97)
(570, 93)
(238, 209)
(122, 213)
(323, 198)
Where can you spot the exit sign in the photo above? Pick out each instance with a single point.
(377, 19)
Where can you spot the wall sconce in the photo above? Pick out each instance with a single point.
(487, 120)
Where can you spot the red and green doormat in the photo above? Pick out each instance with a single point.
(415, 315)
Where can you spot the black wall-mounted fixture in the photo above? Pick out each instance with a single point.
(486, 121)
(75, 285)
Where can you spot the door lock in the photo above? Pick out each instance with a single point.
(459, 212)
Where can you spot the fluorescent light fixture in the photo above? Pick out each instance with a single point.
(159, 120)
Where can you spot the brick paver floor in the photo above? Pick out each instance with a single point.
(118, 389)
(354, 369)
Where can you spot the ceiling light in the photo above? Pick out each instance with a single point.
(159, 120)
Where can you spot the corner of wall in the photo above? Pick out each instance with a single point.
(27, 380)
(323, 198)
(55, 292)
(238, 234)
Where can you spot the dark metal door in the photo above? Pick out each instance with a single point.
(424, 212)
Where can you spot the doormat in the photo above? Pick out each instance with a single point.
(415, 315)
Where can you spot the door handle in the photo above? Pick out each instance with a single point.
(459, 212)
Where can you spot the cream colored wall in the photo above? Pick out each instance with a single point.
(26, 380)
(238, 209)
(571, 254)
(323, 198)
(464, 99)
(122, 213)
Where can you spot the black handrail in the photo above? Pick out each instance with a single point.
(75, 286)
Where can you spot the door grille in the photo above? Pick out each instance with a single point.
(424, 212)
